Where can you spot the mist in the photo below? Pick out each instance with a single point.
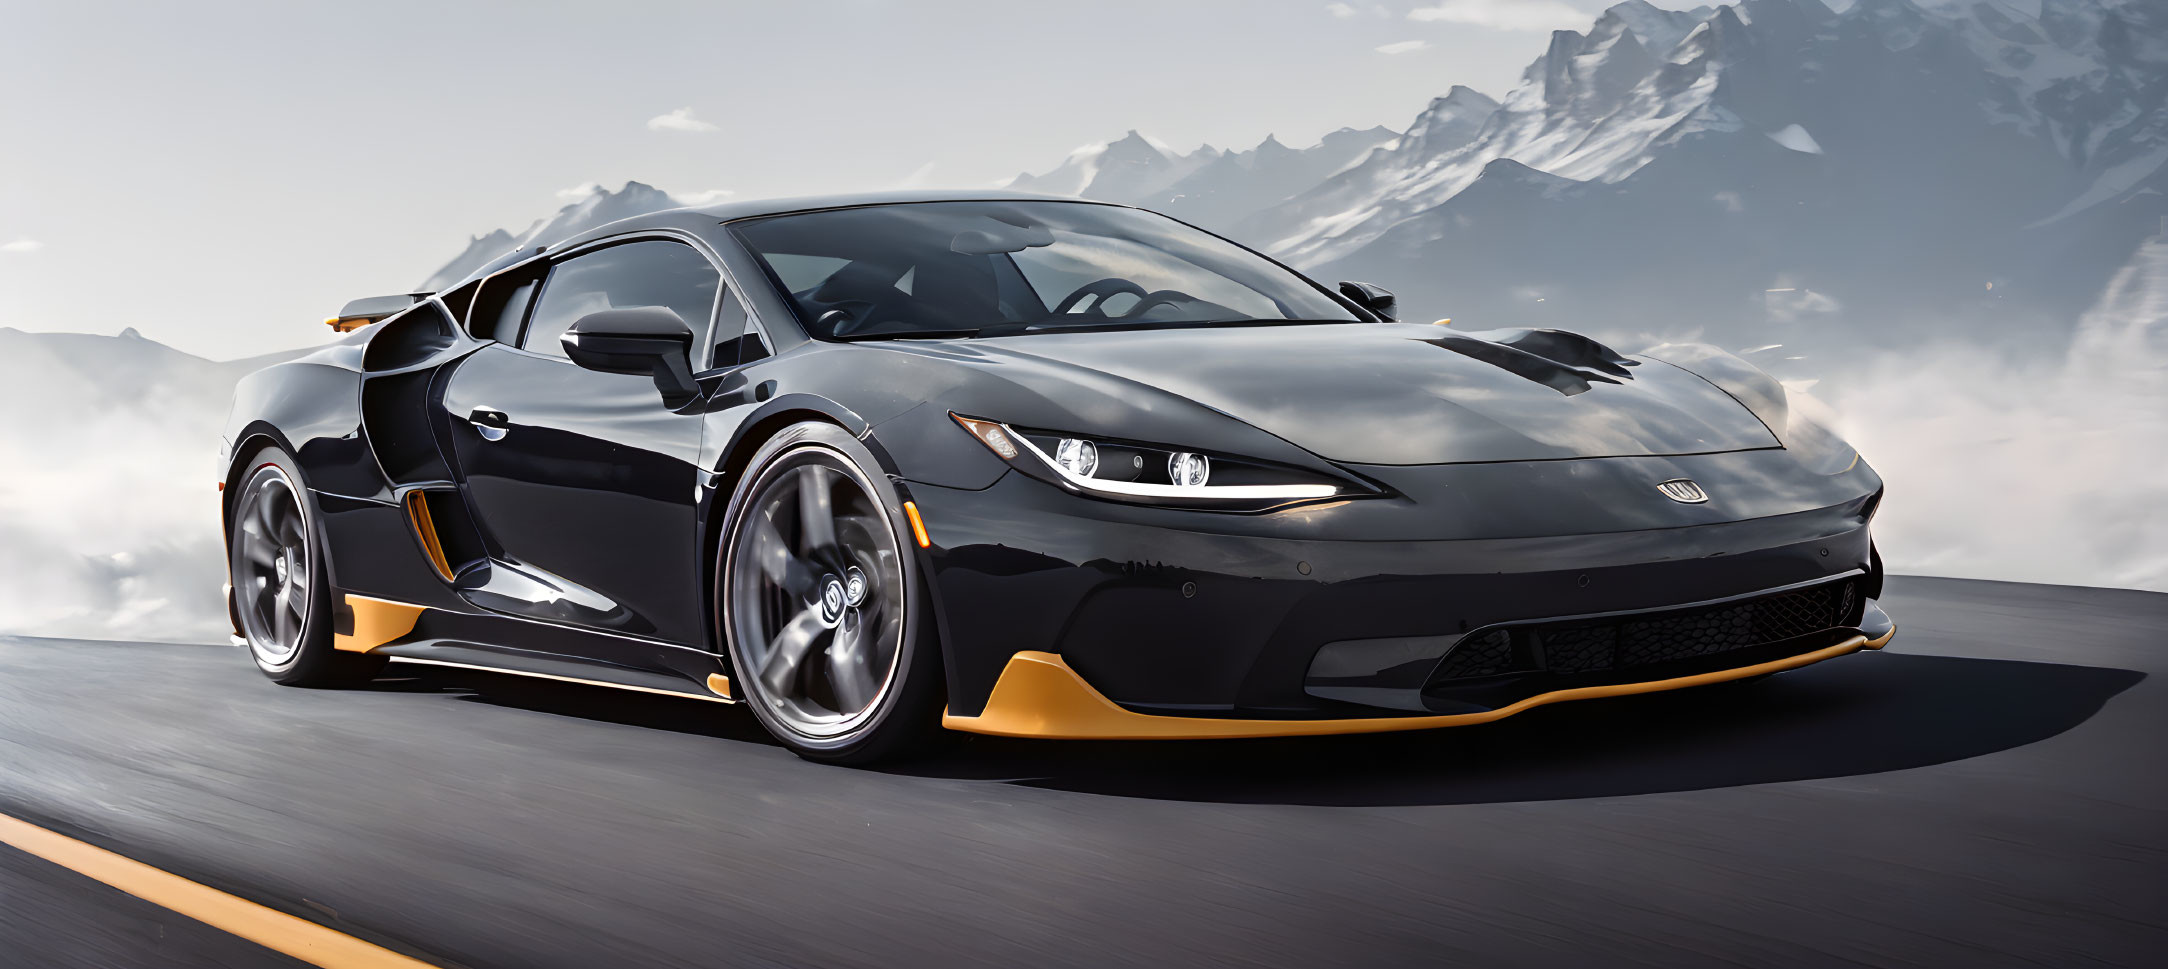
(2051, 471)
(109, 509)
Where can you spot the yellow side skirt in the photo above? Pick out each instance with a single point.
(376, 622)
(1038, 695)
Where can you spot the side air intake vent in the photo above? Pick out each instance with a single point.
(445, 532)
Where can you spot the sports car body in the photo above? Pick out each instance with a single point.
(1045, 468)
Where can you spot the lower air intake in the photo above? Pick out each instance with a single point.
(1648, 639)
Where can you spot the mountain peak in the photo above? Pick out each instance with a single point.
(1462, 101)
(1463, 94)
(1135, 139)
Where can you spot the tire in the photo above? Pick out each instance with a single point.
(821, 604)
(281, 593)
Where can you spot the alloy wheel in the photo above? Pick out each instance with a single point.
(816, 595)
(273, 567)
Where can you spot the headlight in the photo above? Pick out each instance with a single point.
(1076, 456)
(1149, 474)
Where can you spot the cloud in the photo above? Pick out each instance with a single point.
(580, 191)
(1504, 14)
(1341, 10)
(1402, 47)
(680, 120)
(22, 245)
(707, 197)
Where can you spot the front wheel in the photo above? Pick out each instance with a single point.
(822, 602)
(280, 594)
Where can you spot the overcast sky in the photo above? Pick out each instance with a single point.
(222, 175)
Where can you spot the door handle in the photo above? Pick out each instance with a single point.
(492, 423)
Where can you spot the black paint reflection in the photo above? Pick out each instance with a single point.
(591, 487)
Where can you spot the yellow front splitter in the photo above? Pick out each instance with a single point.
(1038, 695)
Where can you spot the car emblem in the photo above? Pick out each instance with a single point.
(832, 600)
(1683, 490)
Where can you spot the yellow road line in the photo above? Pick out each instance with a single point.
(270, 928)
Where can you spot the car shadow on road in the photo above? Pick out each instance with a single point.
(1874, 713)
(1867, 714)
(592, 703)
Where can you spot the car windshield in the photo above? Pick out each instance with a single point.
(996, 267)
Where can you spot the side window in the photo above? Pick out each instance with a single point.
(657, 273)
(459, 299)
(501, 305)
(737, 340)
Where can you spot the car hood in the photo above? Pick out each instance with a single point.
(1405, 394)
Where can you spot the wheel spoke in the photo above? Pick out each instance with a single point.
(258, 550)
(290, 526)
(284, 621)
(776, 560)
(850, 669)
(264, 597)
(816, 509)
(779, 672)
(268, 517)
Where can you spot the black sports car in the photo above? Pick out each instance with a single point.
(1036, 467)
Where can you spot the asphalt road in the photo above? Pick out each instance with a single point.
(1990, 791)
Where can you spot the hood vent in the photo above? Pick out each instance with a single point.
(1565, 362)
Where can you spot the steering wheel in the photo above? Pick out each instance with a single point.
(855, 315)
(1102, 288)
(1150, 300)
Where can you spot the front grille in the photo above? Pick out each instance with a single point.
(1648, 639)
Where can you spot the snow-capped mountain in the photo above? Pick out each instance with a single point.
(1894, 169)
(1766, 171)
(599, 207)
(1226, 190)
(1130, 167)
(1209, 187)
(1763, 172)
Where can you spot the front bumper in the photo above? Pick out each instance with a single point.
(1197, 616)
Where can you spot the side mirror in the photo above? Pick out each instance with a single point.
(637, 340)
(1372, 298)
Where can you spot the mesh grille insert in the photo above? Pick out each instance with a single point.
(1626, 642)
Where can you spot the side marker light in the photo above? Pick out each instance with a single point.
(991, 435)
(918, 525)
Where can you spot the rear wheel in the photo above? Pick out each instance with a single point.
(822, 603)
(280, 595)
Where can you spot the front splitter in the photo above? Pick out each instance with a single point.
(1039, 696)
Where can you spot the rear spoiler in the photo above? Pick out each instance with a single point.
(369, 309)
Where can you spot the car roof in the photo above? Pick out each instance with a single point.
(695, 218)
(756, 208)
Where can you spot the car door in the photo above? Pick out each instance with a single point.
(584, 482)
